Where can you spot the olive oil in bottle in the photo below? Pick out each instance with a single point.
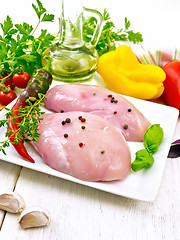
(71, 64)
(72, 60)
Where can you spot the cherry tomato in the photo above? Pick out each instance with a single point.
(8, 82)
(7, 97)
(21, 80)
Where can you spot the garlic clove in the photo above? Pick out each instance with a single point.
(11, 202)
(34, 217)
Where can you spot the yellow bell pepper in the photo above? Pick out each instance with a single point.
(122, 73)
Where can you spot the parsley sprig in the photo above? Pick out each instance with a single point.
(110, 34)
(19, 46)
(27, 129)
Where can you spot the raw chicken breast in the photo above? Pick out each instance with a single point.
(102, 102)
(83, 145)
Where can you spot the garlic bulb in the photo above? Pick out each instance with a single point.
(34, 217)
(11, 202)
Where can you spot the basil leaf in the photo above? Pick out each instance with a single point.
(143, 160)
(153, 138)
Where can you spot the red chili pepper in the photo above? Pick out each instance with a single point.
(39, 83)
(13, 126)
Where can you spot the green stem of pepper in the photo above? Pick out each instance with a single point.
(48, 65)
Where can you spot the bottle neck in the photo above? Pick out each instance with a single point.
(71, 28)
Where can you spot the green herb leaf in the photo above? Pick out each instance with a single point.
(127, 23)
(31, 99)
(39, 9)
(153, 138)
(24, 28)
(109, 33)
(7, 25)
(45, 38)
(143, 160)
(27, 57)
(2, 123)
(134, 37)
(48, 18)
(18, 46)
(41, 12)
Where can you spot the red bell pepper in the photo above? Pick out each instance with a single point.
(171, 92)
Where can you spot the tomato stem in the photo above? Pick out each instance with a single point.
(175, 55)
(5, 78)
(4, 88)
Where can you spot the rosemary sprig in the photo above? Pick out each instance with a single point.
(27, 128)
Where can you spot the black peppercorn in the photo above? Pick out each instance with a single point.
(112, 100)
(68, 120)
(63, 122)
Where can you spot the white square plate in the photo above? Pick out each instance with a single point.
(142, 185)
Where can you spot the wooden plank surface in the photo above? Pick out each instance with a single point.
(9, 174)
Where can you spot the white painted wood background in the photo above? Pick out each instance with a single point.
(82, 213)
